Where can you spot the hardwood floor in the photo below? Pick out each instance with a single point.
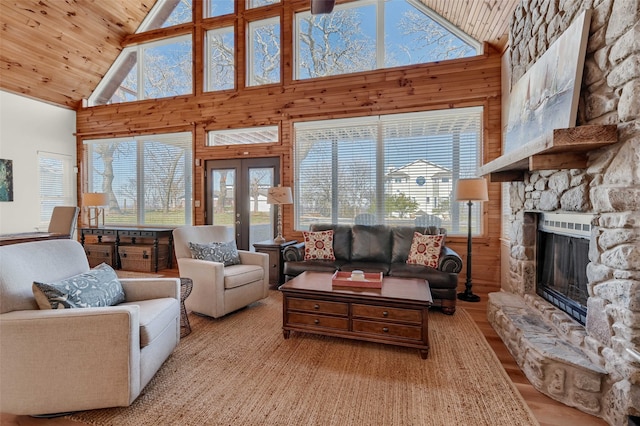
(548, 412)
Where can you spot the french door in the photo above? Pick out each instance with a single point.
(237, 198)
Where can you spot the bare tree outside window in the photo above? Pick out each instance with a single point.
(334, 44)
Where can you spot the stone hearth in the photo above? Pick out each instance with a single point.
(594, 367)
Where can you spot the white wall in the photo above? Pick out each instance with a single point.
(26, 127)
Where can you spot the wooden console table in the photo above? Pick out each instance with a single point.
(25, 237)
(133, 233)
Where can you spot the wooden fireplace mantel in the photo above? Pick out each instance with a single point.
(560, 149)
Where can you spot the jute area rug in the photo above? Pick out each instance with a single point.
(239, 370)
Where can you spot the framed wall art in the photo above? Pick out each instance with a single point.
(6, 180)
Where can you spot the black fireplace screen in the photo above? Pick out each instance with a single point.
(562, 272)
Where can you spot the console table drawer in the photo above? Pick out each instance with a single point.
(380, 312)
(319, 306)
(318, 321)
(388, 329)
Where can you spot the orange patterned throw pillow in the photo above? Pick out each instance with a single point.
(425, 249)
(318, 245)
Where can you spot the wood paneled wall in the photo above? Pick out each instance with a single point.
(450, 84)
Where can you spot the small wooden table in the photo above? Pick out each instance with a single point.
(274, 251)
(396, 314)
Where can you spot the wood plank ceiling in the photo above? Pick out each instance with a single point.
(58, 50)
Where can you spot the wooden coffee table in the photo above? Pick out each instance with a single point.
(396, 314)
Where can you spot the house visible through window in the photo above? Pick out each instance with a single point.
(347, 167)
(148, 178)
(57, 184)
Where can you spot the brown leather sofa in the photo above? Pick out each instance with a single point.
(380, 248)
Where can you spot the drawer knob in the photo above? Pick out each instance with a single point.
(316, 306)
(385, 329)
(316, 321)
(385, 314)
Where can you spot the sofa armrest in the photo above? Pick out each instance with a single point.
(293, 253)
(145, 288)
(450, 261)
(42, 349)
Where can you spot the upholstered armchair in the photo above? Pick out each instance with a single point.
(61, 360)
(219, 289)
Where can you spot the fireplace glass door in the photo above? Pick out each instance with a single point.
(562, 272)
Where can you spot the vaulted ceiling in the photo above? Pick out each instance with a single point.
(58, 50)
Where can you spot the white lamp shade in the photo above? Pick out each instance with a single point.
(279, 195)
(472, 190)
(96, 199)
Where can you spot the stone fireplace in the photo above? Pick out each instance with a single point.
(594, 367)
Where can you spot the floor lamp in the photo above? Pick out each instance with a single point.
(279, 195)
(470, 190)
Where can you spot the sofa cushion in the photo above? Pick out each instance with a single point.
(425, 249)
(155, 316)
(98, 287)
(239, 275)
(371, 243)
(223, 252)
(318, 245)
(341, 238)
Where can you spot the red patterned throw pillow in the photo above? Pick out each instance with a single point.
(425, 249)
(318, 245)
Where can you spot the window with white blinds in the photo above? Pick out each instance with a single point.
(148, 179)
(398, 169)
(57, 184)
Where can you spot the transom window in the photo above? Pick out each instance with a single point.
(398, 169)
(248, 136)
(148, 178)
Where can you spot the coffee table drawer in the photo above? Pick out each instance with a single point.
(323, 307)
(388, 329)
(381, 312)
(319, 321)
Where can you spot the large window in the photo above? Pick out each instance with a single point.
(374, 34)
(263, 53)
(57, 183)
(148, 71)
(397, 169)
(148, 178)
(220, 59)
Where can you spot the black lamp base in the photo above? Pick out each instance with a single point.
(468, 297)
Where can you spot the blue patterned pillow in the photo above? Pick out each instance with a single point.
(98, 287)
(226, 253)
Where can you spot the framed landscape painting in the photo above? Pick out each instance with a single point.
(6, 180)
(546, 97)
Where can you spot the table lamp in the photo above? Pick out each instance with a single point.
(279, 195)
(470, 190)
(95, 202)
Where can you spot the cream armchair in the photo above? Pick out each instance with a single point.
(62, 360)
(218, 289)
